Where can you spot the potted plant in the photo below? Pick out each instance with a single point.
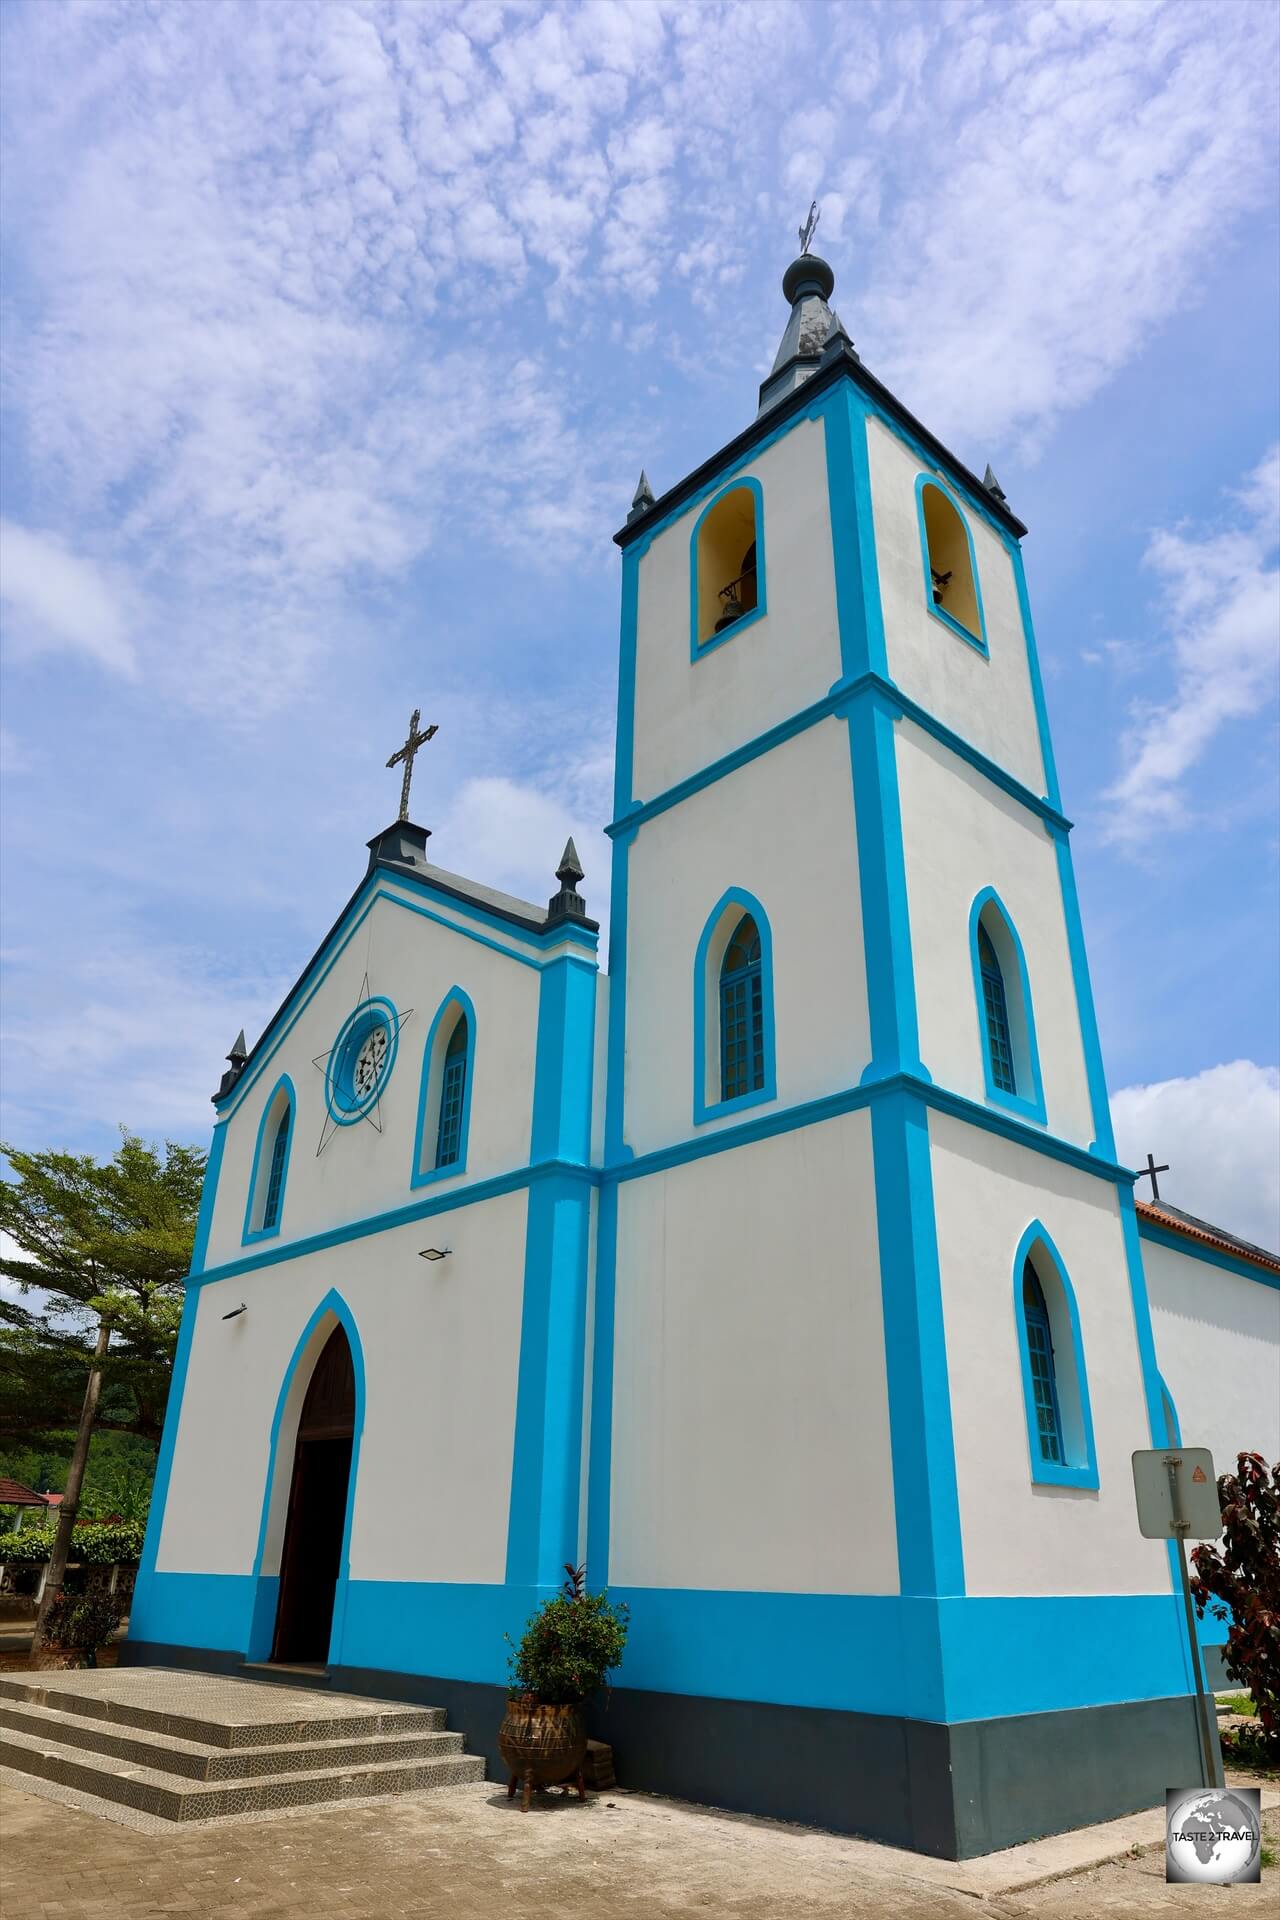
(568, 1649)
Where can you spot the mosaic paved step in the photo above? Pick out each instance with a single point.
(152, 1791)
(216, 1711)
(196, 1760)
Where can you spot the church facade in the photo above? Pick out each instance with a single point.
(785, 1273)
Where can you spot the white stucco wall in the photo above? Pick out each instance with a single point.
(688, 713)
(440, 1342)
(961, 834)
(1020, 1538)
(1217, 1341)
(989, 702)
(751, 1427)
(414, 962)
(781, 827)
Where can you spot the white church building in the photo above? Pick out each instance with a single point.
(785, 1273)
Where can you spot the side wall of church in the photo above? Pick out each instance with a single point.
(1217, 1335)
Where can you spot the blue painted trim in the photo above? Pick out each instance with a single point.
(704, 1068)
(977, 641)
(1182, 1243)
(1104, 1140)
(1081, 1470)
(340, 1097)
(926, 1498)
(446, 1200)
(600, 1440)
(1142, 1316)
(266, 1586)
(882, 881)
(863, 650)
(421, 1176)
(838, 702)
(699, 647)
(771, 1647)
(1173, 1426)
(546, 1471)
(1030, 1106)
(250, 1232)
(143, 1603)
(1052, 793)
(361, 905)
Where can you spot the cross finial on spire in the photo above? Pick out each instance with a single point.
(810, 226)
(406, 754)
(1150, 1171)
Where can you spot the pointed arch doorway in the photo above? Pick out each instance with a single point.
(312, 1553)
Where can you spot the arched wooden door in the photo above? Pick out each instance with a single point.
(312, 1555)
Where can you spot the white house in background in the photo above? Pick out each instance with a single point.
(786, 1274)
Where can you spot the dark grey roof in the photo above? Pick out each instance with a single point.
(1191, 1223)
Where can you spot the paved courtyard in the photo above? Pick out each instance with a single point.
(466, 1854)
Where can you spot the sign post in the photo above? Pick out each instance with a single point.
(1177, 1493)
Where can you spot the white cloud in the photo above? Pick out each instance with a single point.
(1220, 598)
(1219, 1131)
(60, 602)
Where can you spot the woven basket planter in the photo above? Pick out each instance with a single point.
(541, 1746)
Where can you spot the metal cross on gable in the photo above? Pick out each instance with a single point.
(406, 753)
(1151, 1170)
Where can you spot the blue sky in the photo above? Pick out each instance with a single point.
(335, 337)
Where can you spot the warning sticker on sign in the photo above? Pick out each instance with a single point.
(1199, 1476)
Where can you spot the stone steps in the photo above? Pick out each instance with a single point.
(189, 1746)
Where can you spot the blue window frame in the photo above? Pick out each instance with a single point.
(1055, 1386)
(741, 1014)
(952, 590)
(734, 1051)
(727, 566)
(1044, 1385)
(269, 1173)
(444, 1093)
(453, 1087)
(1006, 1017)
(999, 1045)
(275, 1179)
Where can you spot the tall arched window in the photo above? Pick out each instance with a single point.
(275, 1178)
(952, 592)
(726, 565)
(1006, 1018)
(733, 1028)
(1044, 1384)
(1055, 1386)
(444, 1100)
(452, 1094)
(264, 1203)
(741, 1013)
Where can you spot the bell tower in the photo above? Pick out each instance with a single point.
(871, 1337)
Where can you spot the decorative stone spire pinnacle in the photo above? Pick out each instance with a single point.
(568, 904)
(238, 1055)
(993, 486)
(808, 284)
(641, 503)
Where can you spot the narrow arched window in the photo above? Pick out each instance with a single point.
(453, 1089)
(1055, 1386)
(741, 1013)
(726, 565)
(951, 577)
(264, 1204)
(996, 1008)
(275, 1176)
(1044, 1383)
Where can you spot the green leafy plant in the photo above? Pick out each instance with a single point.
(1239, 1583)
(569, 1646)
(83, 1623)
(90, 1545)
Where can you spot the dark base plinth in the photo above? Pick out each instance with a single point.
(952, 1791)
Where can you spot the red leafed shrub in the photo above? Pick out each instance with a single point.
(1239, 1581)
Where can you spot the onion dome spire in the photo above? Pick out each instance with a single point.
(807, 284)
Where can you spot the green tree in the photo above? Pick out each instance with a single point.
(98, 1243)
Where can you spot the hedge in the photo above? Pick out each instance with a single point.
(90, 1545)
